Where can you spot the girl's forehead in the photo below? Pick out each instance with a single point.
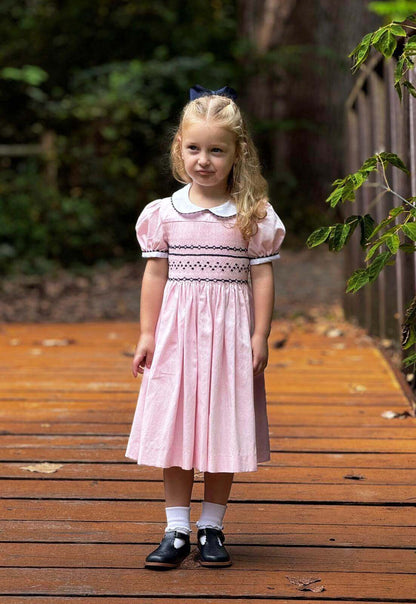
(207, 129)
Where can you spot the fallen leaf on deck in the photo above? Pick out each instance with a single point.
(395, 415)
(306, 583)
(44, 467)
(357, 388)
(354, 477)
(56, 342)
(334, 333)
(279, 343)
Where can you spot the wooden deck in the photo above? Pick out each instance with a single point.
(336, 504)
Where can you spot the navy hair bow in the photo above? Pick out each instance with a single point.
(197, 91)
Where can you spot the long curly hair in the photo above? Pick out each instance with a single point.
(246, 185)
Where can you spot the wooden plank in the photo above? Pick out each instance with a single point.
(156, 600)
(228, 583)
(282, 419)
(257, 558)
(355, 492)
(403, 430)
(265, 474)
(116, 443)
(265, 513)
(243, 533)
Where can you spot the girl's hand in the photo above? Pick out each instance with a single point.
(260, 351)
(144, 354)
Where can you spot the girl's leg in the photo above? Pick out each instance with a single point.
(178, 486)
(217, 486)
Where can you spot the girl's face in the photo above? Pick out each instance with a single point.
(208, 152)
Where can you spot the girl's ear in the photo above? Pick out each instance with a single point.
(179, 143)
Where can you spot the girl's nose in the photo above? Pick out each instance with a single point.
(203, 160)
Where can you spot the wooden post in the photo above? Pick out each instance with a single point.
(48, 146)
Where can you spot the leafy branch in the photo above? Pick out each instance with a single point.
(385, 40)
(381, 241)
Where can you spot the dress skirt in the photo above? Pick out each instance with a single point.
(199, 405)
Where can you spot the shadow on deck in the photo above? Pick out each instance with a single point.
(331, 517)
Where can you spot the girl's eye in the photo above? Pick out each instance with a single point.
(217, 150)
(192, 147)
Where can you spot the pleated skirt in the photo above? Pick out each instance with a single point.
(199, 405)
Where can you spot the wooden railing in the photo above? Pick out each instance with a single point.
(376, 121)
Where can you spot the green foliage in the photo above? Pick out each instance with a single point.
(29, 74)
(374, 236)
(393, 10)
(40, 229)
(109, 80)
(345, 187)
(385, 40)
(397, 231)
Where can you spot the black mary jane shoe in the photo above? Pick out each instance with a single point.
(213, 552)
(167, 556)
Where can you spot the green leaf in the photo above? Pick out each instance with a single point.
(382, 224)
(378, 34)
(386, 44)
(397, 29)
(410, 87)
(394, 212)
(409, 360)
(398, 70)
(341, 233)
(361, 51)
(367, 227)
(394, 160)
(373, 249)
(375, 268)
(358, 279)
(410, 46)
(411, 339)
(408, 248)
(398, 89)
(318, 236)
(393, 243)
(409, 229)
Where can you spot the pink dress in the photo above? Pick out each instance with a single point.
(199, 405)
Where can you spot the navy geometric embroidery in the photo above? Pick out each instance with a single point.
(206, 279)
(208, 264)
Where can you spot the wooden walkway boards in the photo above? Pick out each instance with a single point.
(334, 511)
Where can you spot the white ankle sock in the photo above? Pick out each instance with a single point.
(212, 515)
(178, 519)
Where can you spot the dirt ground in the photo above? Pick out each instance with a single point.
(309, 284)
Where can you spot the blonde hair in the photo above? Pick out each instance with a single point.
(246, 185)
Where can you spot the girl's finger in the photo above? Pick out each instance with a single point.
(149, 358)
(137, 361)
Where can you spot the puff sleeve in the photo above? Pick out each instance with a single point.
(150, 231)
(265, 244)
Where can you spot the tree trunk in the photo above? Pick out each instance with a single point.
(298, 80)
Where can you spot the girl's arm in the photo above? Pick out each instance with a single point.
(263, 299)
(153, 284)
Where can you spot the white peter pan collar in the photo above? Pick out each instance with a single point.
(183, 205)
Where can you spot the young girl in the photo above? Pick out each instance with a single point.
(205, 314)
